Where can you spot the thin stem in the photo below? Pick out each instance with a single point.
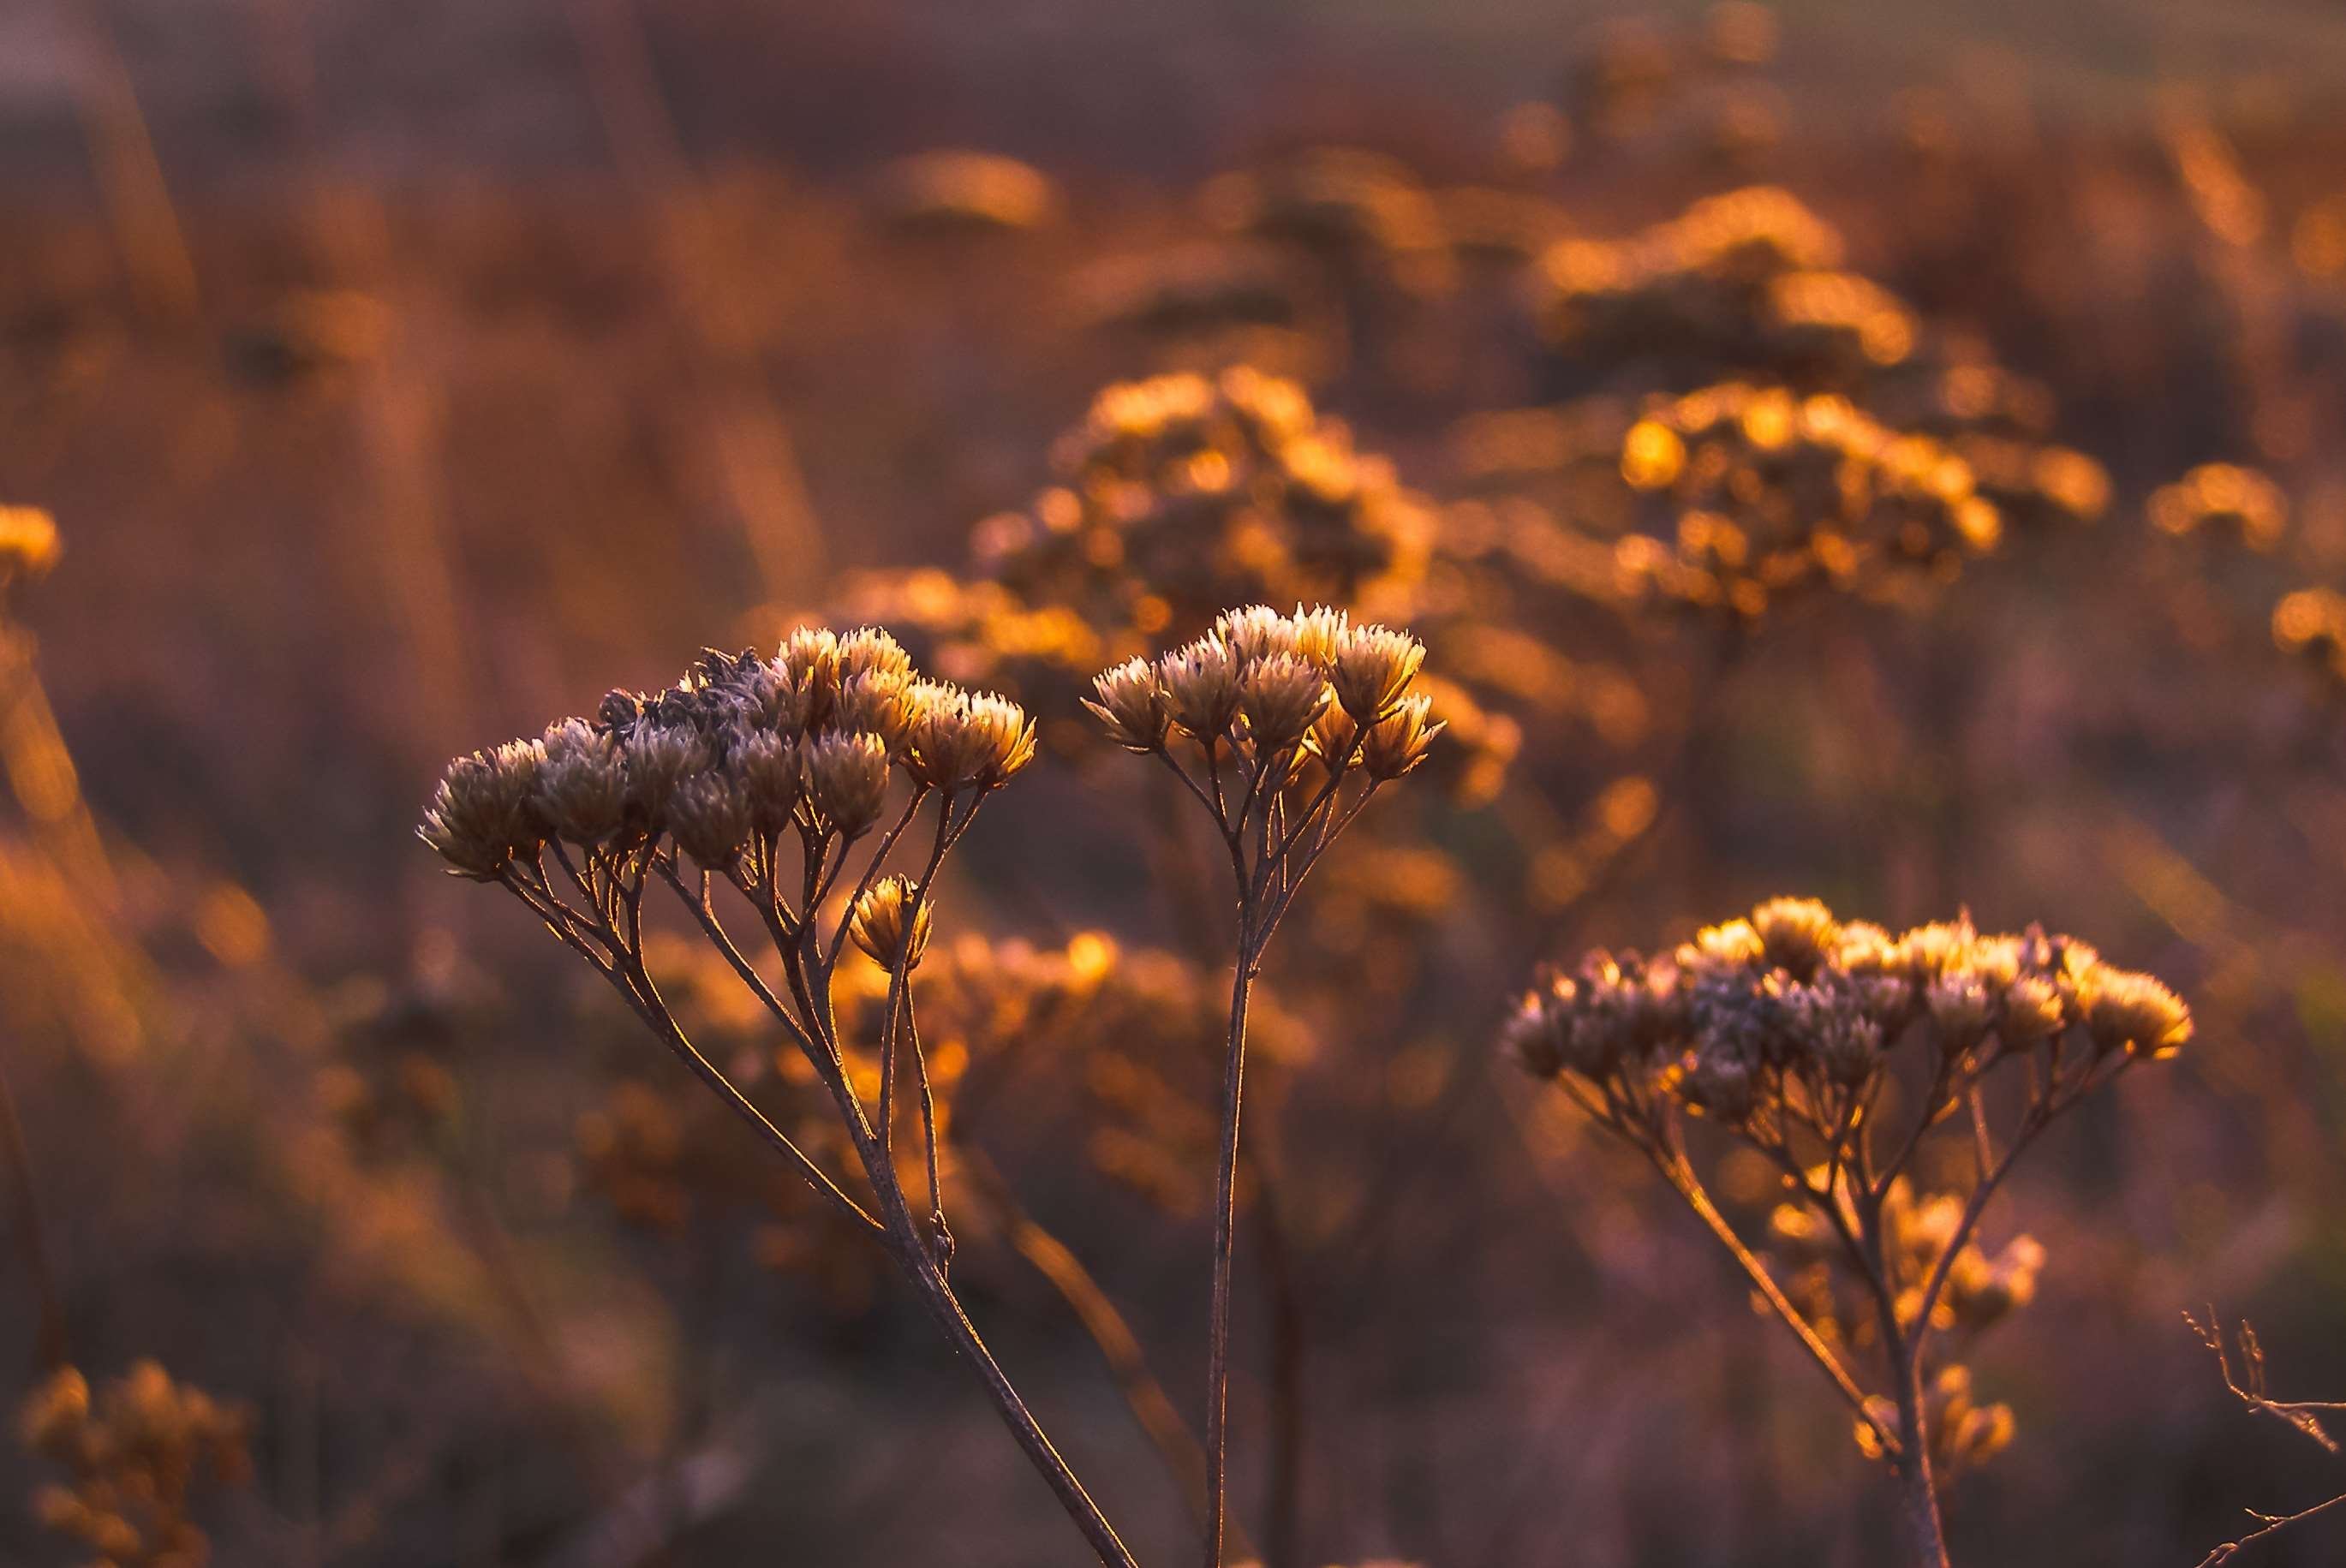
(1680, 1175)
(1218, 1335)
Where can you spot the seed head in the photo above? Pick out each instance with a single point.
(879, 924)
(971, 741)
(877, 702)
(867, 650)
(2031, 1010)
(2133, 1012)
(1319, 633)
(1280, 696)
(1373, 667)
(1958, 1002)
(480, 816)
(1400, 740)
(659, 757)
(847, 779)
(1795, 934)
(767, 772)
(1200, 682)
(1256, 632)
(1130, 705)
(582, 785)
(709, 819)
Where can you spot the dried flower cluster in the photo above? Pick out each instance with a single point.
(1282, 727)
(1744, 280)
(2223, 501)
(1770, 492)
(134, 1453)
(1832, 1048)
(1183, 493)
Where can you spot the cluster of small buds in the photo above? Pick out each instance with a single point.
(1279, 689)
(1767, 492)
(1759, 1018)
(1183, 493)
(2310, 624)
(1744, 281)
(134, 1452)
(2224, 500)
(739, 752)
(1963, 1433)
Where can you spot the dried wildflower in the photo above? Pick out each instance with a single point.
(847, 779)
(1254, 698)
(881, 926)
(134, 1453)
(716, 777)
(1130, 705)
(1792, 1028)
(481, 814)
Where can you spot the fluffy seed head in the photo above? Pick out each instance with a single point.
(1373, 667)
(582, 785)
(1256, 632)
(659, 757)
(867, 650)
(1400, 740)
(1200, 682)
(480, 816)
(888, 918)
(2130, 1012)
(1319, 633)
(709, 819)
(766, 770)
(1280, 696)
(970, 741)
(1128, 701)
(1794, 933)
(847, 779)
(877, 702)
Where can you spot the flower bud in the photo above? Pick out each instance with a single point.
(1129, 703)
(1399, 741)
(709, 819)
(481, 814)
(770, 777)
(1256, 632)
(1280, 696)
(879, 924)
(1373, 667)
(658, 758)
(1200, 682)
(582, 786)
(847, 779)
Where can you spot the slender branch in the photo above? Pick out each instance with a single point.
(1680, 1175)
(1218, 1334)
(2270, 1524)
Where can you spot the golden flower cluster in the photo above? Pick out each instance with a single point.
(2224, 500)
(1276, 692)
(134, 1452)
(1183, 493)
(1768, 491)
(742, 752)
(1747, 280)
(1780, 1015)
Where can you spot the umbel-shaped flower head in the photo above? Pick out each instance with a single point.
(740, 751)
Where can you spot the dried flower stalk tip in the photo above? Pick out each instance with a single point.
(880, 923)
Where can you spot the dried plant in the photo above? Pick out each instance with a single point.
(1833, 1049)
(2300, 1416)
(1282, 728)
(135, 1453)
